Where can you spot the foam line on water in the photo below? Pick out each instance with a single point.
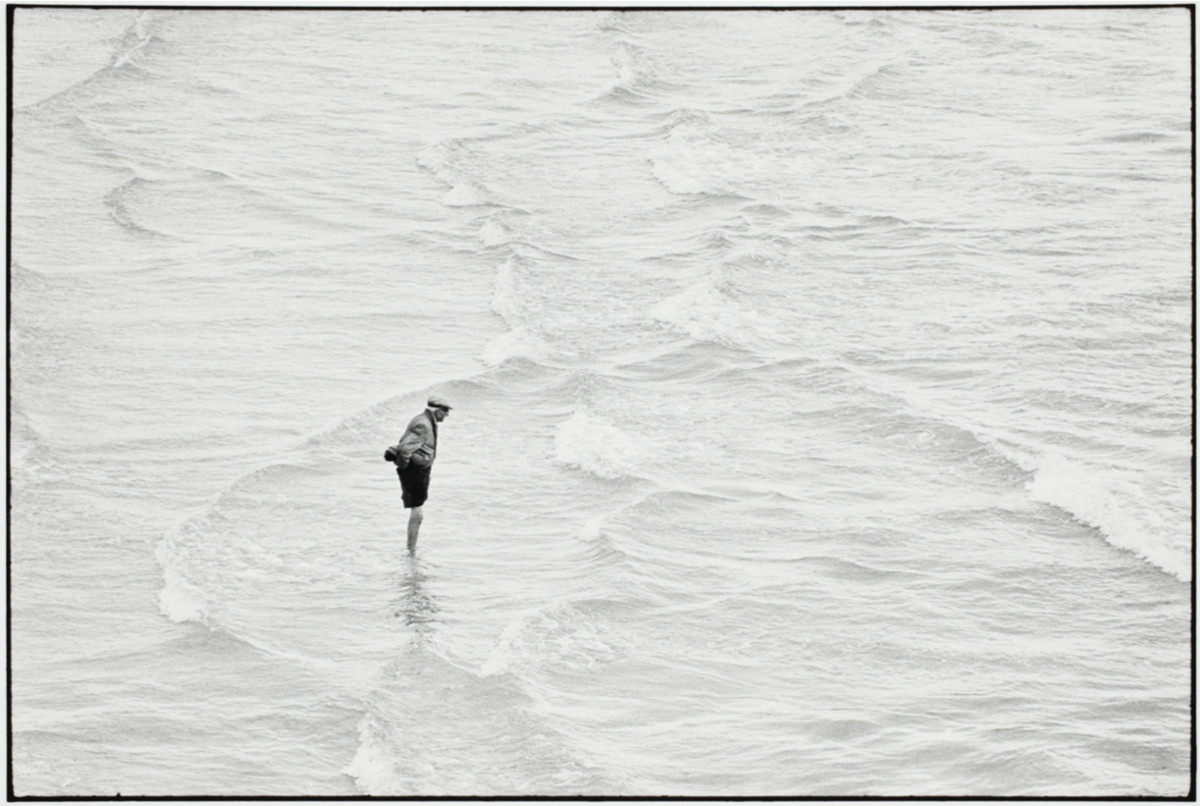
(1109, 499)
(1113, 502)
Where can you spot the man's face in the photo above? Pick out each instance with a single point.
(440, 414)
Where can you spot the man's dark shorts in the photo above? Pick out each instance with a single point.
(415, 483)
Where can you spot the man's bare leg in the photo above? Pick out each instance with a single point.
(415, 516)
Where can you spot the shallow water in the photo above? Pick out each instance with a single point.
(821, 384)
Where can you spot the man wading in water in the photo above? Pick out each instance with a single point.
(414, 456)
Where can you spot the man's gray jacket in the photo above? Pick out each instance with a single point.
(419, 443)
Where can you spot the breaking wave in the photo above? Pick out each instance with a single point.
(1114, 503)
(593, 443)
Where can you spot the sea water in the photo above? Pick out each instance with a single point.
(821, 384)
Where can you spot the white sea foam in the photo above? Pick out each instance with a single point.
(698, 157)
(178, 599)
(594, 443)
(373, 767)
(506, 300)
(679, 176)
(506, 652)
(493, 233)
(451, 162)
(437, 160)
(1115, 503)
(518, 341)
(515, 343)
(593, 528)
(625, 61)
(135, 40)
(466, 194)
(692, 160)
(708, 311)
(563, 634)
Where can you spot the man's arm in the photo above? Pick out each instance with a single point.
(418, 434)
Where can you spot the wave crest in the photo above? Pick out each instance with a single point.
(700, 157)
(127, 56)
(1116, 505)
(136, 39)
(593, 443)
(708, 310)
(486, 736)
(453, 164)
(120, 202)
(570, 634)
